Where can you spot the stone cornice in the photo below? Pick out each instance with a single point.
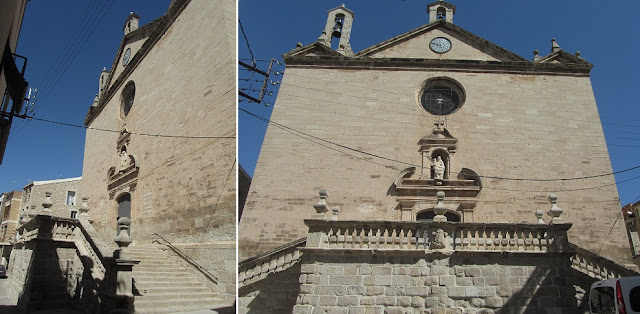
(408, 64)
(163, 23)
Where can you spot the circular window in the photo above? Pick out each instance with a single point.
(441, 96)
(128, 95)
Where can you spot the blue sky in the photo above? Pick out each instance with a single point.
(607, 36)
(67, 43)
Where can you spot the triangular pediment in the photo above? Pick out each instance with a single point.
(314, 49)
(464, 45)
(561, 56)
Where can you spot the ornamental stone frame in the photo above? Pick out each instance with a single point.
(416, 190)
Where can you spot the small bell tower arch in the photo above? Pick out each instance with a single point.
(338, 28)
(441, 10)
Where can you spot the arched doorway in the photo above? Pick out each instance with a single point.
(124, 208)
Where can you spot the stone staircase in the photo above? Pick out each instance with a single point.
(162, 285)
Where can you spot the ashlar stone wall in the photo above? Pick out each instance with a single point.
(538, 126)
(396, 282)
(185, 86)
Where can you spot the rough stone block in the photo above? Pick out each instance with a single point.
(494, 302)
(374, 290)
(348, 300)
(331, 290)
(302, 309)
(457, 292)
(395, 291)
(404, 301)
(447, 280)
(478, 281)
(473, 271)
(308, 268)
(385, 300)
(417, 302)
(418, 291)
(365, 300)
(374, 310)
(380, 280)
(326, 300)
(431, 302)
(355, 290)
(464, 281)
(401, 280)
(381, 270)
(345, 280)
(431, 280)
(439, 270)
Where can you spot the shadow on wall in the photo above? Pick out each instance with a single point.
(277, 294)
(58, 279)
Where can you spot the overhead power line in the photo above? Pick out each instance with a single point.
(132, 133)
(414, 165)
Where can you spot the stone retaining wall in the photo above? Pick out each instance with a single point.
(396, 282)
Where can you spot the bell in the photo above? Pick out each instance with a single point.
(337, 31)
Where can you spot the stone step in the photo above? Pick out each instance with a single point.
(171, 306)
(179, 297)
(154, 283)
(144, 270)
(165, 277)
(153, 290)
(146, 265)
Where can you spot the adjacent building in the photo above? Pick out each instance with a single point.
(65, 196)
(630, 213)
(9, 213)
(13, 85)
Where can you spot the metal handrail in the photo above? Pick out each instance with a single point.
(189, 260)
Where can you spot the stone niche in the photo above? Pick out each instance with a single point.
(416, 189)
(124, 176)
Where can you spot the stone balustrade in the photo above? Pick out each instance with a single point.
(597, 266)
(453, 236)
(276, 260)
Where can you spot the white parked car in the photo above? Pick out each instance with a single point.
(615, 296)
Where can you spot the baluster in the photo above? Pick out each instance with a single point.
(357, 238)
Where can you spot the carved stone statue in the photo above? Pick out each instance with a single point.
(438, 168)
(439, 239)
(124, 160)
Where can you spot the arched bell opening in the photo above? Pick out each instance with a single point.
(429, 214)
(444, 156)
(441, 13)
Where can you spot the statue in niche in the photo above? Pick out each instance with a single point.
(124, 159)
(438, 168)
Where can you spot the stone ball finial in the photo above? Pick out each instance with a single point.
(336, 211)
(440, 209)
(321, 206)
(555, 211)
(536, 52)
(578, 54)
(123, 239)
(299, 45)
(124, 221)
(539, 215)
(84, 208)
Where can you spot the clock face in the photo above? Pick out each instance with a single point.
(440, 45)
(127, 56)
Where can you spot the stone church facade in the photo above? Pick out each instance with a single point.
(430, 142)
(169, 97)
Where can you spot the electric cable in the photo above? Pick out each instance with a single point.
(413, 165)
(132, 133)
